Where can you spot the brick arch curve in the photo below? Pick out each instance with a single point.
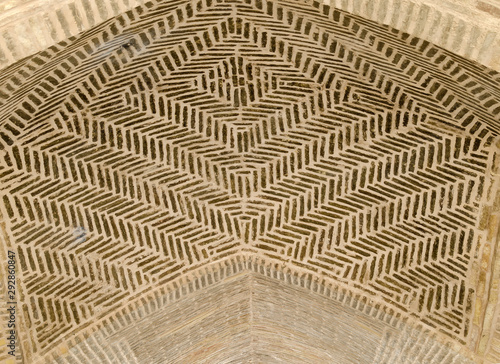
(247, 308)
(465, 27)
(182, 132)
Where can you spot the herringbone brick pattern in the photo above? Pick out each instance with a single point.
(186, 131)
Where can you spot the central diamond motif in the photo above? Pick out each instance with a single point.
(246, 101)
(242, 97)
(233, 80)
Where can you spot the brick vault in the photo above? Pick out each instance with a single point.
(250, 181)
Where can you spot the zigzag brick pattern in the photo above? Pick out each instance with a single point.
(185, 131)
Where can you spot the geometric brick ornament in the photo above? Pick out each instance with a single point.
(185, 132)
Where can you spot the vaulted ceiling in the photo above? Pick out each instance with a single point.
(247, 180)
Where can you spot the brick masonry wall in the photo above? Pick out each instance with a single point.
(180, 133)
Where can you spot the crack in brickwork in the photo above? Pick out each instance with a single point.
(185, 131)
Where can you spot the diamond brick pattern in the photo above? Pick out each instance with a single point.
(187, 131)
